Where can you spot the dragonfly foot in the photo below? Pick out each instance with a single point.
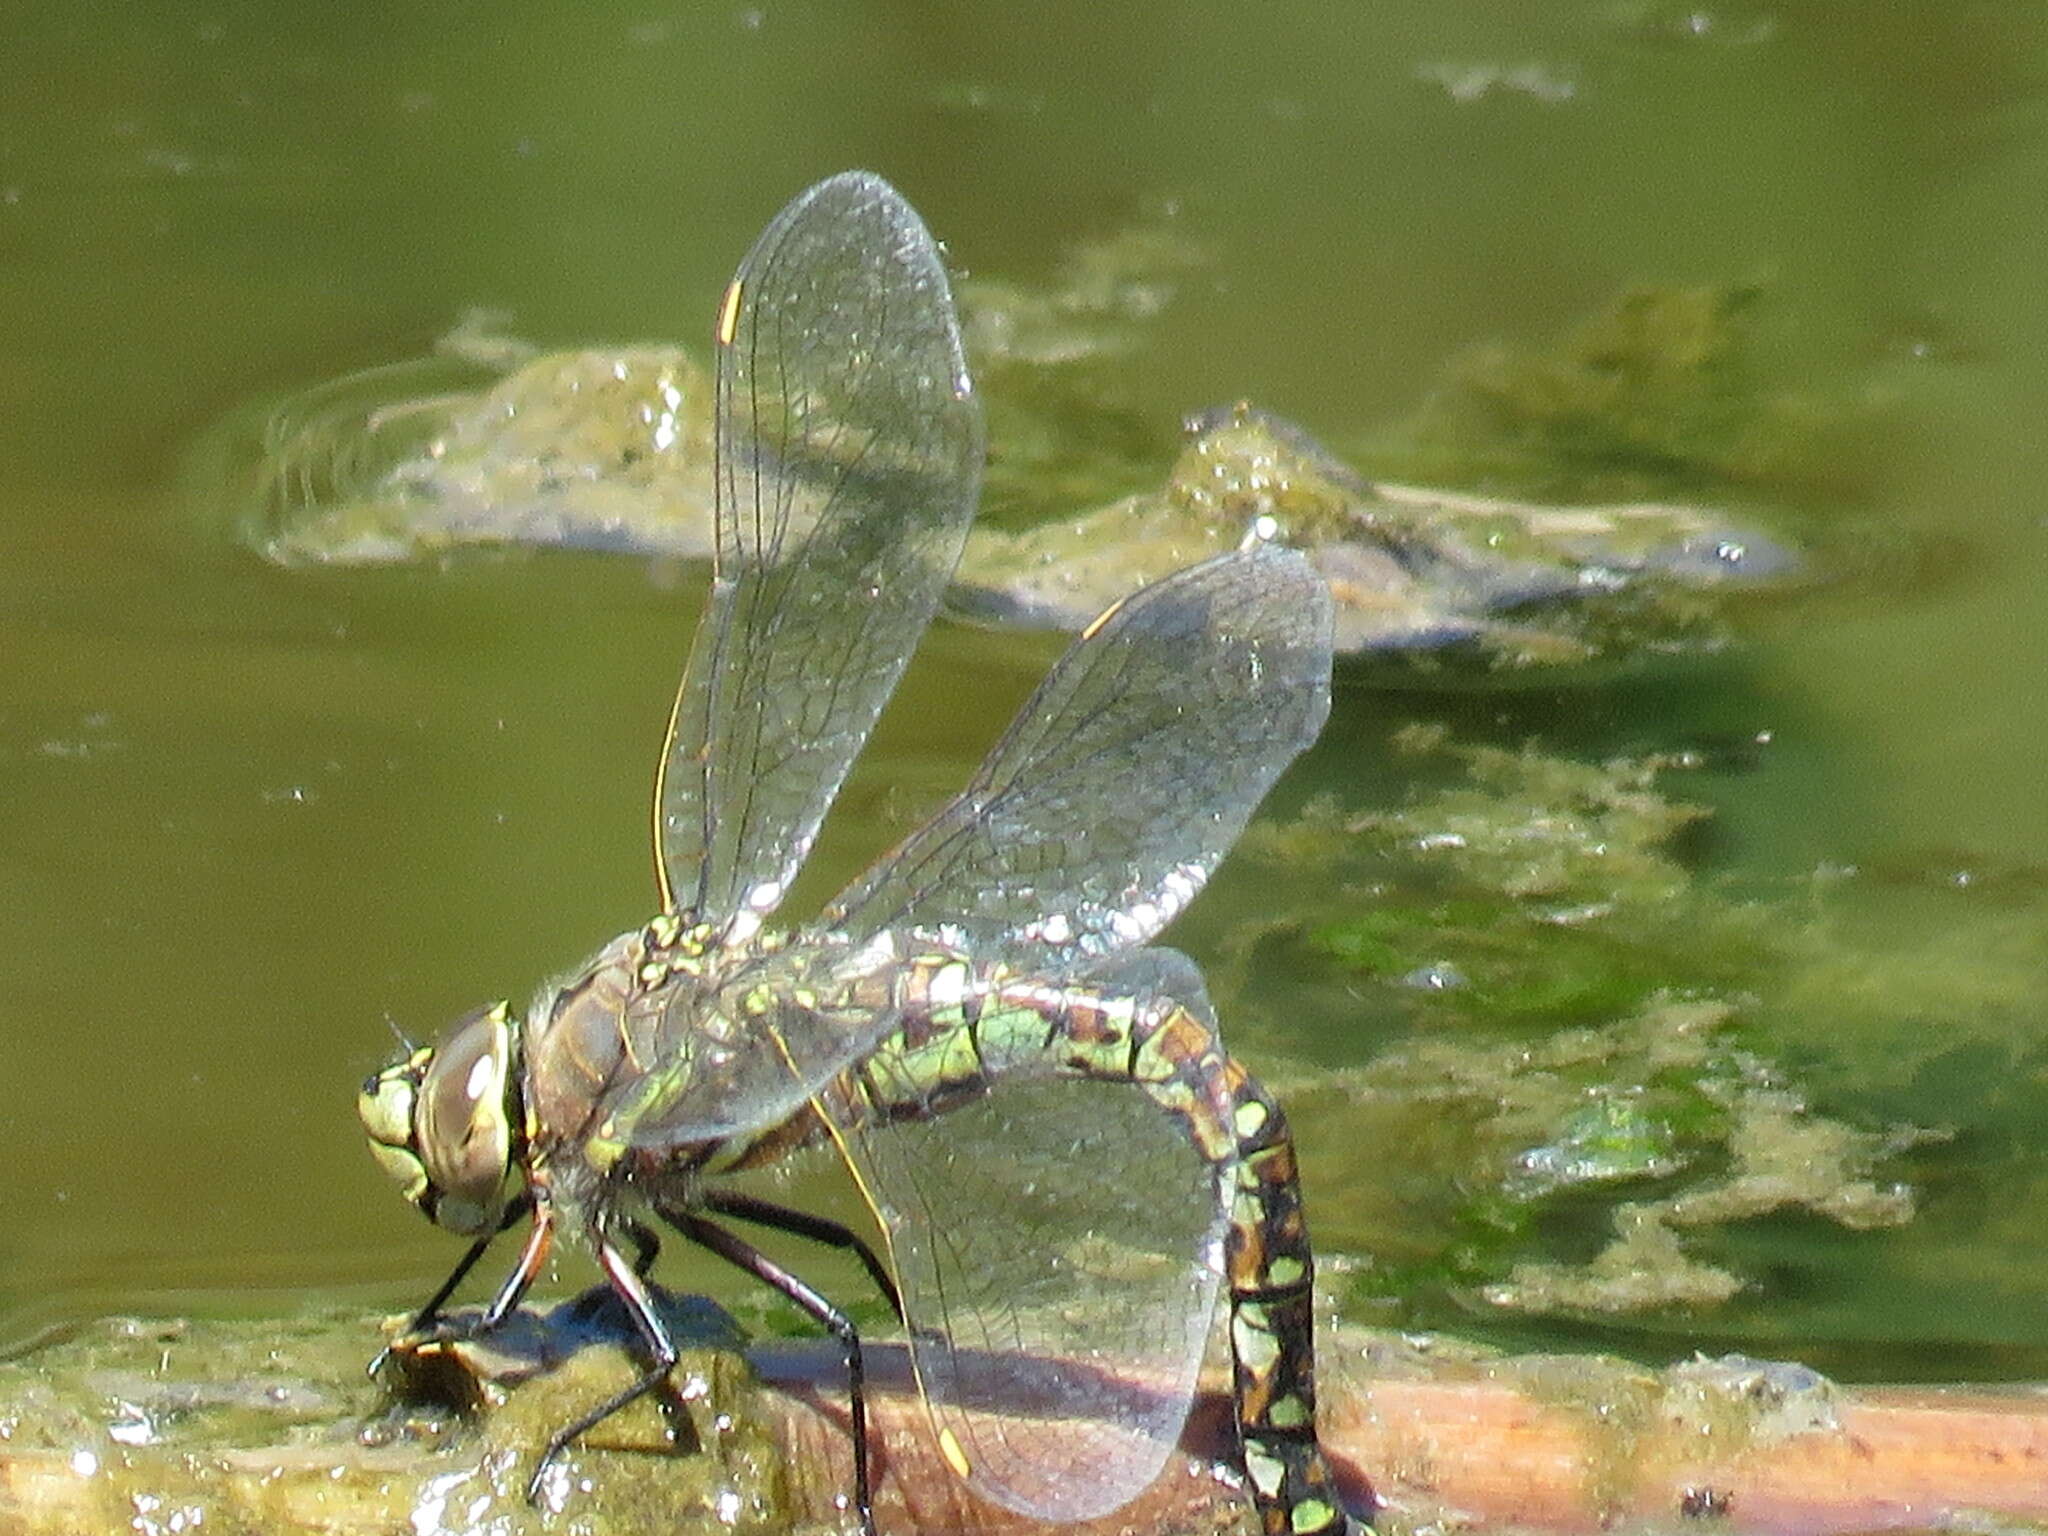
(417, 1341)
(540, 1473)
(442, 1331)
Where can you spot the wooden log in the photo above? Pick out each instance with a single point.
(1551, 1444)
(1452, 1438)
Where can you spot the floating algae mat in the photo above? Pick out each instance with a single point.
(1616, 453)
(170, 1425)
(1410, 568)
(1576, 1056)
(1662, 390)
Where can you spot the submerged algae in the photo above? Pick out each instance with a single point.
(1547, 886)
(1664, 391)
(1104, 290)
(1577, 1024)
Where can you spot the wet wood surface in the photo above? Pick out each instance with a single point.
(1452, 1439)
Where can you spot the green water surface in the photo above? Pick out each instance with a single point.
(251, 818)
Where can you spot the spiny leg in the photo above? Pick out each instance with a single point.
(646, 1246)
(632, 1291)
(742, 1254)
(646, 1251)
(539, 1239)
(818, 1229)
(426, 1315)
(587, 1307)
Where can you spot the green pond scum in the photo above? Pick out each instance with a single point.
(1612, 490)
(1576, 1039)
(259, 1426)
(1664, 391)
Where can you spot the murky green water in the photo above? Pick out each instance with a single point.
(247, 815)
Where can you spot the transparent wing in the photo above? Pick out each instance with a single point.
(1056, 1240)
(1127, 776)
(849, 446)
(1057, 1243)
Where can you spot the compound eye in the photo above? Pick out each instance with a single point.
(385, 1106)
(463, 1121)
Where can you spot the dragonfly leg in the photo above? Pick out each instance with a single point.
(737, 1251)
(424, 1319)
(626, 1281)
(646, 1245)
(426, 1314)
(539, 1239)
(818, 1229)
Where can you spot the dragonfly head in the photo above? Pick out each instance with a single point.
(446, 1122)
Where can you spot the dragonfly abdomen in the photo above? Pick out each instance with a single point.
(966, 1028)
(1272, 1322)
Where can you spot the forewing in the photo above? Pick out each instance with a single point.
(1127, 776)
(849, 446)
(1057, 1244)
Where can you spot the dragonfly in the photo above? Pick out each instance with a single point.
(1065, 1168)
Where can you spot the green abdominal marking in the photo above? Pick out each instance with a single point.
(965, 1032)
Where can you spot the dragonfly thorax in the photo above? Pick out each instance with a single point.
(447, 1124)
(634, 1053)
